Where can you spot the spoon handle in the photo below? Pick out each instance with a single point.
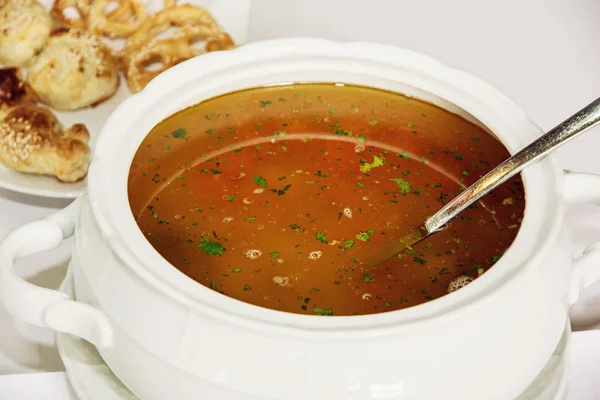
(568, 129)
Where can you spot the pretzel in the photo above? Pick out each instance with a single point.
(192, 24)
(119, 23)
(58, 13)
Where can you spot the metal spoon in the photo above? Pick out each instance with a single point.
(561, 134)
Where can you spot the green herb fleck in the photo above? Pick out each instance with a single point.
(237, 270)
(323, 311)
(232, 198)
(403, 186)
(373, 122)
(275, 254)
(210, 247)
(247, 287)
(260, 181)
(264, 103)
(282, 191)
(368, 278)
(321, 237)
(377, 162)
(364, 236)
(179, 133)
(332, 110)
(419, 260)
(213, 284)
(250, 219)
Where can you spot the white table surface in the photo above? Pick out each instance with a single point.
(545, 54)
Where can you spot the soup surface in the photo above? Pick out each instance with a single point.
(291, 197)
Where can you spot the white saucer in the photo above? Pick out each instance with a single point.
(88, 373)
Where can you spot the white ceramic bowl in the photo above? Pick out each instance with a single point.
(165, 336)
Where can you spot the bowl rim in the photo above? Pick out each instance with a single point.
(107, 190)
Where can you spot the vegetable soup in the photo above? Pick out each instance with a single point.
(285, 197)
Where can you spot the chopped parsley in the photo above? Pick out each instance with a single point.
(260, 181)
(250, 219)
(368, 278)
(403, 186)
(264, 103)
(232, 198)
(321, 237)
(282, 191)
(275, 254)
(349, 243)
(210, 247)
(364, 236)
(377, 162)
(179, 133)
(404, 155)
(323, 311)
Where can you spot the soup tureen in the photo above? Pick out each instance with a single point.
(165, 336)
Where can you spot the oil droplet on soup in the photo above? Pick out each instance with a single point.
(283, 197)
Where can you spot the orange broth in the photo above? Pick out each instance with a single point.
(285, 197)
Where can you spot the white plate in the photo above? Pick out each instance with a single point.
(88, 373)
(233, 15)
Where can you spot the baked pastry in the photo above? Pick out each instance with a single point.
(74, 70)
(13, 90)
(77, 18)
(120, 22)
(24, 28)
(189, 26)
(32, 140)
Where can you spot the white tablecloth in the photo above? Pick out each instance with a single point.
(543, 53)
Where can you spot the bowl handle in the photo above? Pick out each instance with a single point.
(40, 306)
(583, 188)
